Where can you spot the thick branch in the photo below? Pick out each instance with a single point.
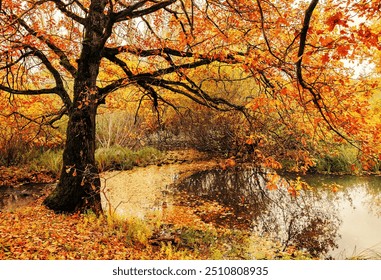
(61, 92)
(144, 76)
(133, 11)
(59, 89)
(63, 8)
(29, 91)
(123, 65)
(15, 62)
(303, 39)
(196, 94)
(164, 52)
(317, 98)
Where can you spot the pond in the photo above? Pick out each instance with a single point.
(338, 218)
(22, 195)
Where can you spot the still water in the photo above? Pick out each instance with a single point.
(329, 221)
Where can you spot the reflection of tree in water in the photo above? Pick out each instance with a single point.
(373, 199)
(307, 221)
(363, 188)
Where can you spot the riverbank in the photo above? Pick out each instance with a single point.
(187, 227)
(147, 216)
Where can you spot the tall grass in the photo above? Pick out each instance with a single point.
(344, 160)
(50, 160)
(119, 158)
(113, 158)
(117, 129)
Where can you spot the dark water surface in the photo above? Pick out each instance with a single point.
(14, 197)
(328, 221)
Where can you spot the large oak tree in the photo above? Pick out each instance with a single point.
(290, 49)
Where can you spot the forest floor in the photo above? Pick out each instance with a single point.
(185, 227)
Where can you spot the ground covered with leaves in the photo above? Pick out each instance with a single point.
(34, 232)
(15, 175)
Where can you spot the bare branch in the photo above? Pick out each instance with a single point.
(64, 61)
(123, 65)
(196, 94)
(28, 91)
(63, 8)
(229, 58)
(133, 11)
(316, 96)
(23, 56)
(59, 89)
(264, 32)
(57, 77)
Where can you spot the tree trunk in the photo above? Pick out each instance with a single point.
(79, 184)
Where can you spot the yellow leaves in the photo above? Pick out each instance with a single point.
(230, 162)
(250, 140)
(271, 162)
(83, 103)
(282, 20)
(296, 186)
(272, 181)
(39, 234)
(68, 169)
(335, 188)
(326, 41)
(369, 37)
(264, 104)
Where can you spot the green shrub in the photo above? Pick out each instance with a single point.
(341, 161)
(119, 158)
(195, 238)
(147, 155)
(50, 160)
(115, 158)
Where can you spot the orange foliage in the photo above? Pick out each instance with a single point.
(218, 55)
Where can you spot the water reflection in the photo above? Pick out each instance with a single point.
(359, 207)
(14, 197)
(319, 221)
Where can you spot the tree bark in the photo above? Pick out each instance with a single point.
(79, 184)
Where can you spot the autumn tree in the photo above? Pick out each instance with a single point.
(60, 47)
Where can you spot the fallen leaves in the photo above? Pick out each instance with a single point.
(37, 233)
(34, 232)
(15, 175)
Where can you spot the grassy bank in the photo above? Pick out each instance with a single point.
(345, 159)
(113, 158)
